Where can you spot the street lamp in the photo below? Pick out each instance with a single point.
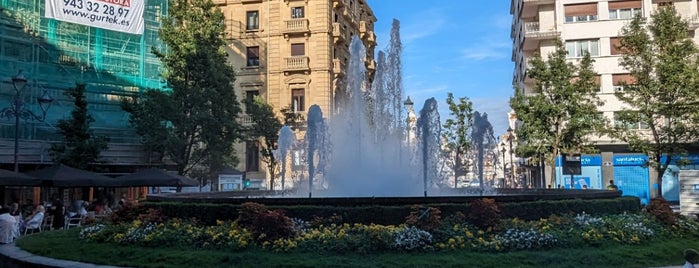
(510, 137)
(504, 180)
(17, 110)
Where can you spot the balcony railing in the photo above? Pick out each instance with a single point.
(296, 63)
(534, 31)
(296, 26)
(338, 66)
(693, 22)
(339, 36)
(220, 2)
(363, 29)
(538, 2)
(245, 120)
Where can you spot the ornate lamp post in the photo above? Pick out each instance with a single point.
(17, 110)
(504, 179)
(510, 137)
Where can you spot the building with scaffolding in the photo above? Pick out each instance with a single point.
(53, 55)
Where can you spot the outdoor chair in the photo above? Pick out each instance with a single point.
(47, 224)
(75, 221)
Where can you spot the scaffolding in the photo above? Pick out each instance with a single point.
(54, 55)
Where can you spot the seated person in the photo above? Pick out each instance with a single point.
(8, 226)
(34, 221)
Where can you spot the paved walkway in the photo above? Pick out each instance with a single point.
(12, 256)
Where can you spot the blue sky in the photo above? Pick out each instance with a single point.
(457, 46)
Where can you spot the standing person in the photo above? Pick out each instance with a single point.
(8, 226)
(58, 212)
(612, 186)
(691, 258)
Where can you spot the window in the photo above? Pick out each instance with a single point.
(581, 12)
(623, 14)
(621, 80)
(297, 12)
(253, 54)
(577, 48)
(630, 120)
(251, 94)
(253, 20)
(298, 49)
(297, 100)
(614, 45)
(252, 156)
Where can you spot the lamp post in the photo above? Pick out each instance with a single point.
(504, 180)
(510, 137)
(17, 110)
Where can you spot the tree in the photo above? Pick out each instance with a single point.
(265, 130)
(194, 120)
(561, 116)
(80, 146)
(291, 118)
(663, 61)
(455, 134)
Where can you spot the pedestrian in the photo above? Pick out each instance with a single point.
(612, 186)
(691, 258)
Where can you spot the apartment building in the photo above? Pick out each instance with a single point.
(594, 26)
(294, 53)
(53, 55)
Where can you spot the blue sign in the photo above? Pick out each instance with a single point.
(630, 160)
(585, 160)
(692, 159)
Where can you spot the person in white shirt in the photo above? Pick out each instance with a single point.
(8, 226)
(34, 221)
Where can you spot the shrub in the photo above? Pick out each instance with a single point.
(412, 238)
(128, 213)
(484, 213)
(425, 218)
(660, 208)
(526, 239)
(248, 212)
(271, 225)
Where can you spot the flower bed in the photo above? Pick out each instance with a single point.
(424, 230)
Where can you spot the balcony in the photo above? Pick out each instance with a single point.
(693, 22)
(370, 65)
(533, 30)
(245, 120)
(338, 3)
(363, 29)
(296, 63)
(250, 1)
(220, 2)
(339, 36)
(538, 2)
(371, 38)
(296, 26)
(338, 67)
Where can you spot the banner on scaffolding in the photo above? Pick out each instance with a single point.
(117, 15)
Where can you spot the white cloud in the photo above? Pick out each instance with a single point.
(487, 49)
(422, 24)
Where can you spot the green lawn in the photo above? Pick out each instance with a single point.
(67, 245)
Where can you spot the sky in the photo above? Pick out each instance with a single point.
(458, 46)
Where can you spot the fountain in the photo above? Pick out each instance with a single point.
(482, 137)
(286, 141)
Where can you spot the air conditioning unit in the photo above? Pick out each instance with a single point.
(618, 88)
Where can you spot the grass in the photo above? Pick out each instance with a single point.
(65, 244)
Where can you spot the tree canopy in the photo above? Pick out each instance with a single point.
(194, 120)
(455, 134)
(560, 115)
(660, 116)
(264, 130)
(80, 146)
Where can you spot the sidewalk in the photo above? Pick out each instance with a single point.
(13, 257)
